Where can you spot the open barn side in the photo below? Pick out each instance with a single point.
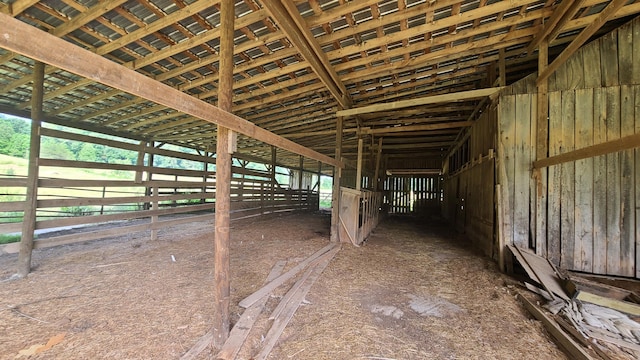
(166, 187)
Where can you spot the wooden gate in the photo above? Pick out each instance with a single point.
(359, 214)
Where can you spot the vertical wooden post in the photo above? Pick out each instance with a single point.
(243, 165)
(262, 195)
(205, 176)
(503, 68)
(359, 166)
(335, 192)
(149, 174)
(31, 201)
(319, 184)
(104, 192)
(140, 162)
(376, 174)
(223, 178)
(542, 151)
(300, 182)
(491, 74)
(154, 208)
(273, 177)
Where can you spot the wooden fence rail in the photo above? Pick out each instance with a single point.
(148, 198)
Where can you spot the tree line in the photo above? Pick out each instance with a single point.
(15, 138)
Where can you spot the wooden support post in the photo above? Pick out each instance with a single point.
(205, 176)
(359, 166)
(376, 174)
(503, 68)
(542, 151)
(149, 174)
(335, 191)
(319, 183)
(104, 192)
(224, 145)
(300, 182)
(243, 165)
(154, 208)
(140, 162)
(31, 201)
(273, 176)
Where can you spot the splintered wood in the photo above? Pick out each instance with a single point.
(582, 312)
(241, 329)
(281, 316)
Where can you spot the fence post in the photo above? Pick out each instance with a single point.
(31, 200)
(104, 190)
(154, 217)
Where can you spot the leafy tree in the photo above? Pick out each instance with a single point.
(87, 153)
(7, 133)
(19, 146)
(53, 149)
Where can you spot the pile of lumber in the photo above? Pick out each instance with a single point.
(589, 319)
(254, 304)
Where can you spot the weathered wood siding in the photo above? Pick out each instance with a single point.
(468, 200)
(591, 219)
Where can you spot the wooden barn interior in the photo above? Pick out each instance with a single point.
(515, 121)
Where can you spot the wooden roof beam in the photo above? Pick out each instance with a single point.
(17, 7)
(605, 15)
(559, 18)
(85, 17)
(286, 15)
(453, 97)
(411, 128)
(157, 25)
(16, 36)
(456, 20)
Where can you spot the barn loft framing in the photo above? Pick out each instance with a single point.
(389, 94)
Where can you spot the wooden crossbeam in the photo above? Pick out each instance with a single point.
(83, 18)
(17, 36)
(625, 143)
(594, 26)
(17, 7)
(413, 128)
(453, 97)
(157, 25)
(560, 17)
(286, 14)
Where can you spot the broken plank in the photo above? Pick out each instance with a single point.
(285, 300)
(207, 338)
(294, 302)
(601, 335)
(545, 272)
(241, 329)
(565, 341)
(525, 265)
(538, 291)
(265, 290)
(624, 306)
(575, 284)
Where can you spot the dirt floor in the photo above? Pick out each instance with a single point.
(413, 291)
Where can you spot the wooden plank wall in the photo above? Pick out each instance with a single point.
(147, 193)
(469, 191)
(592, 218)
